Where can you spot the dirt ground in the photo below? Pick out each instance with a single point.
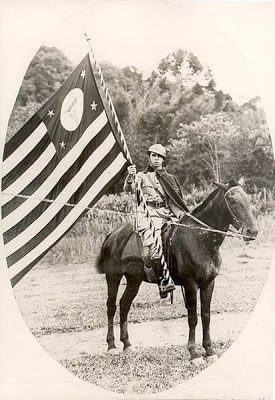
(65, 308)
(169, 333)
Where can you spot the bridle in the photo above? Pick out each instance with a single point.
(235, 219)
(203, 226)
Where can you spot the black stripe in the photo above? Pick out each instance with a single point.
(11, 205)
(58, 218)
(22, 273)
(16, 201)
(20, 136)
(62, 183)
(77, 165)
(27, 161)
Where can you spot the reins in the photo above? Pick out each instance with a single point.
(208, 228)
(203, 226)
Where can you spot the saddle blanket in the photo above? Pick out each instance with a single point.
(133, 248)
(133, 252)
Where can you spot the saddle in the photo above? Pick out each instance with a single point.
(133, 250)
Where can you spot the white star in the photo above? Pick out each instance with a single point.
(62, 145)
(83, 73)
(93, 105)
(50, 113)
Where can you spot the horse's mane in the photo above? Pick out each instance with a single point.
(205, 202)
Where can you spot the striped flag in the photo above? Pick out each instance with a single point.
(67, 153)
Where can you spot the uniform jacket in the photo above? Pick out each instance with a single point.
(159, 186)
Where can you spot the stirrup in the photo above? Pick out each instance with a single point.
(166, 286)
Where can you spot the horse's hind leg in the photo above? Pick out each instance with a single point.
(129, 294)
(113, 282)
(206, 295)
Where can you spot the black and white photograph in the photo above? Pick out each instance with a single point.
(137, 199)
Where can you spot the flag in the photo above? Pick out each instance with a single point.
(67, 153)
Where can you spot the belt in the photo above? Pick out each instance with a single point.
(156, 204)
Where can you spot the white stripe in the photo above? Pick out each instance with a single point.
(23, 150)
(26, 207)
(67, 222)
(30, 174)
(63, 197)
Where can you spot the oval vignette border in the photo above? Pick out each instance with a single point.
(12, 310)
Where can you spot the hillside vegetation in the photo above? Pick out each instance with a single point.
(208, 135)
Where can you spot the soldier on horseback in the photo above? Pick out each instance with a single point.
(163, 196)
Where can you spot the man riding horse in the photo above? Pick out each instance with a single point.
(163, 196)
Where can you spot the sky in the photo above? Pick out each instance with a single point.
(141, 33)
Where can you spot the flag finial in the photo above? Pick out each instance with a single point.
(87, 37)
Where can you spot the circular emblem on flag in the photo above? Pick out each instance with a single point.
(72, 109)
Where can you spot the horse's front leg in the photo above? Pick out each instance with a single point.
(129, 294)
(191, 305)
(113, 282)
(206, 296)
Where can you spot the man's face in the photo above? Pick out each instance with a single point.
(156, 160)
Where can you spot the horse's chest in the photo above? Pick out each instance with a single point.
(206, 267)
(200, 266)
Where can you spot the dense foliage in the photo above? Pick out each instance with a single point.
(208, 135)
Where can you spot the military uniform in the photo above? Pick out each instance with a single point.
(160, 206)
(164, 201)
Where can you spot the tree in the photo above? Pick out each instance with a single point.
(198, 151)
(251, 151)
(209, 136)
(46, 72)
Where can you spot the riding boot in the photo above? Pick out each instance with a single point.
(166, 286)
(150, 260)
(149, 266)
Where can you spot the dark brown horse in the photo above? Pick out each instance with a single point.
(195, 257)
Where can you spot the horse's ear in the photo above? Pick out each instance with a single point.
(221, 186)
(241, 181)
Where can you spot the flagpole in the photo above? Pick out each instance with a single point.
(109, 100)
(113, 111)
(139, 192)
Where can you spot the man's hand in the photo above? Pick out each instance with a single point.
(132, 170)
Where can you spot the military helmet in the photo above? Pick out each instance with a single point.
(158, 149)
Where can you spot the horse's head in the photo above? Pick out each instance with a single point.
(239, 207)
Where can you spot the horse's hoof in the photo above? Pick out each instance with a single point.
(197, 361)
(114, 350)
(212, 358)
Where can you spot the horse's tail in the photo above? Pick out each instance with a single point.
(99, 264)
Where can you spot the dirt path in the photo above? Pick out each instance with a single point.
(146, 334)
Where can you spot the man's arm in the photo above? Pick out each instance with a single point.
(179, 187)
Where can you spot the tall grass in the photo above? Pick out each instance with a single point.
(84, 240)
